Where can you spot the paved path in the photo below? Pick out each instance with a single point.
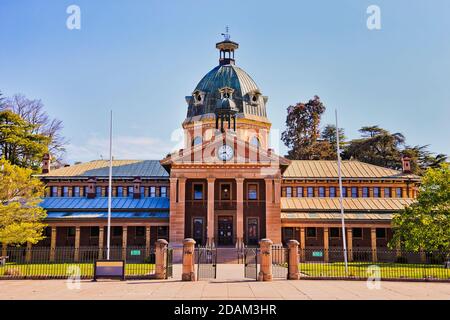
(228, 285)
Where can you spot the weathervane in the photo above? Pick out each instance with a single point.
(226, 35)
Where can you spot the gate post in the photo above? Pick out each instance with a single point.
(293, 273)
(161, 259)
(188, 260)
(265, 273)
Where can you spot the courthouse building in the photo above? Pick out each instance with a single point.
(226, 186)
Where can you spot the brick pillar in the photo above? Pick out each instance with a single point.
(4, 249)
(161, 258)
(124, 242)
(273, 210)
(188, 260)
(101, 239)
(240, 211)
(265, 273)
(373, 243)
(76, 256)
(350, 243)
(210, 210)
(326, 244)
(53, 244)
(147, 241)
(28, 252)
(293, 272)
(302, 244)
(177, 208)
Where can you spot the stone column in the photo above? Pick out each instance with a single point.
(265, 273)
(76, 256)
(161, 258)
(53, 244)
(101, 239)
(293, 272)
(373, 243)
(326, 244)
(239, 211)
(210, 211)
(350, 243)
(188, 260)
(28, 252)
(302, 244)
(147, 241)
(124, 242)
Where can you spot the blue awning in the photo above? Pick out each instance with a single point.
(104, 215)
(118, 203)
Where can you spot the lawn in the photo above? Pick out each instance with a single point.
(66, 269)
(385, 271)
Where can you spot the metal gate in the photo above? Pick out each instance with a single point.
(169, 264)
(251, 262)
(206, 257)
(280, 261)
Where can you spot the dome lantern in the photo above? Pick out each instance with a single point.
(226, 49)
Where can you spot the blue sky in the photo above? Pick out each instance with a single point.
(141, 58)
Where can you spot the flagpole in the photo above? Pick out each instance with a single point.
(108, 239)
(338, 151)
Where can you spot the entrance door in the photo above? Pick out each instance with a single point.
(198, 230)
(225, 230)
(252, 232)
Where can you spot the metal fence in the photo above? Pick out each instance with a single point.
(368, 263)
(62, 262)
(280, 260)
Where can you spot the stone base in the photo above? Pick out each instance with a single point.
(293, 276)
(188, 276)
(264, 277)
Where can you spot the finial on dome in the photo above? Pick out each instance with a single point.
(226, 48)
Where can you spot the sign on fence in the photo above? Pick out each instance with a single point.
(318, 254)
(109, 269)
(135, 252)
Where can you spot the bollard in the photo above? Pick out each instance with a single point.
(161, 259)
(188, 260)
(265, 273)
(293, 273)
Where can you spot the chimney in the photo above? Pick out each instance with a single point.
(46, 160)
(406, 163)
(91, 188)
(137, 188)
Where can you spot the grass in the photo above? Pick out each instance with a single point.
(385, 271)
(66, 269)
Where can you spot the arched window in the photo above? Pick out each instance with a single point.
(255, 142)
(197, 140)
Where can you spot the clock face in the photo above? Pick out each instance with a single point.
(225, 153)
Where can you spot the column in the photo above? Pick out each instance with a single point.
(53, 244)
(4, 249)
(101, 239)
(210, 211)
(124, 242)
(273, 210)
(350, 244)
(77, 244)
(161, 259)
(302, 244)
(28, 252)
(188, 260)
(373, 243)
(325, 244)
(265, 273)
(293, 272)
(147, 241)
(240, 211)
(177, 210)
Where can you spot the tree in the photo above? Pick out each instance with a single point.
(20, 216)
(329, 134)
(425, 225)
(19, 143)
(33, 112)
(422, 158)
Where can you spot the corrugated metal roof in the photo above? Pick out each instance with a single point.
(355, 204)
(118, 203)
(121, 168)
(335, 216)
(104, 215)
(327, 169)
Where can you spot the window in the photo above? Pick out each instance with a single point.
(163, 192)
(120, 191)
(54, 191)
(252, 191)
(376, 192)
(311, 232)
(365, 192)
(310, 191)
(398, 192)
(387, 192)
(140, 231)
(299, 192)
(98, 191)
(288, 192)
(344, 192)
(94, 231)
(354, 192)
(106, 191)
(322, 192)
(76, 191)
(198, 191)
(142, 191)
(335, 232)
(130, 192)
(381, 233)
(332, 192)
(71, 231)
(196, 141)
(357, 233)
(152, 192)
(225, 191)
(65, 191)
(255, 142)
(116, 231)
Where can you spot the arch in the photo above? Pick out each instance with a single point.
(254, 141)
(197, 140)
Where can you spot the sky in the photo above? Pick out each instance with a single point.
(141, 58)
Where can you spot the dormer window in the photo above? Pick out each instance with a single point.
(199, 97)
(226, 93)
(253, 97)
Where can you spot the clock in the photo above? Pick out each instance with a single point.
(225, 153)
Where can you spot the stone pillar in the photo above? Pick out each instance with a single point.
(147, 241)
(53, 244)
(4, 249)
(239, 211)
(293, 272)
(76, 256)
(210, 210)
(373, 243)
(161, 258)
(188, 260)
(124, 242)
(28, 252)
(350, 244)
(101, 239)
(265, 273)
(326, 244)
(302, 244)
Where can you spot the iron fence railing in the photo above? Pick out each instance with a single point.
(61, 262)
